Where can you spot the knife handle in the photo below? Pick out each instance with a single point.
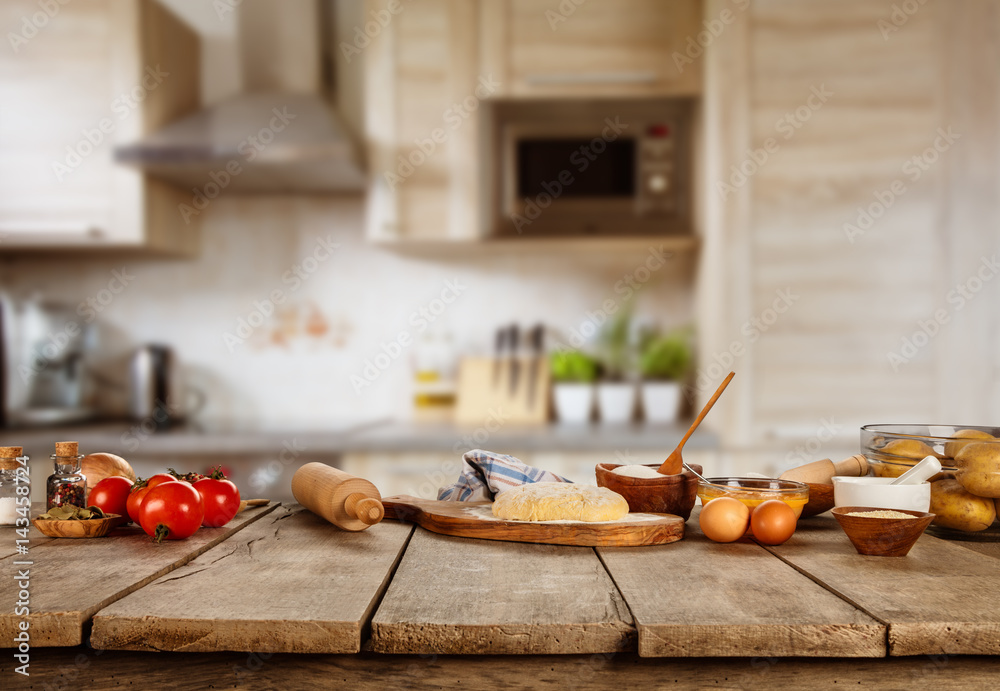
(537, 338)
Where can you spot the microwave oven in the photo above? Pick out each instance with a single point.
(595, 168)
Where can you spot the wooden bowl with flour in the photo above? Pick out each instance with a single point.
(674, 494)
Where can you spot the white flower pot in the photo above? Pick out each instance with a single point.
(574, 402)
(661, 401)
(616, 401)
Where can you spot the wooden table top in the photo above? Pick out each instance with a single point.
(281, 580)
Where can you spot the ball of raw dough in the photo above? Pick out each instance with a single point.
(560, 501)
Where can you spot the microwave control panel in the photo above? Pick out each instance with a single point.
(657, 162)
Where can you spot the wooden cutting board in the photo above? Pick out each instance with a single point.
(475, 519)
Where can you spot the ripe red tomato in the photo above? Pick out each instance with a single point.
(159, 479)
(171, 511)
(111, 495)
(139, 491)
(220, 497)
(134, 501)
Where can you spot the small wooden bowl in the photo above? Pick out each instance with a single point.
(674, 494)
(93, 527)
(882, 537)
(820, 499)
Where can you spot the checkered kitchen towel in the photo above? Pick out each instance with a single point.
(486, 474)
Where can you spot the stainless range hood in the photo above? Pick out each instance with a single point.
(283, 133)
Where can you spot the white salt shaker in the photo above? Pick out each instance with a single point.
(8, 483)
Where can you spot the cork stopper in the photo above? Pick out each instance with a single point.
(67, 448)
(9, 455)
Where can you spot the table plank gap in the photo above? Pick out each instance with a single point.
(70, 580)
(940, 599)
(366, 629)
(291, 584)
(8, 534)
(826, 586)
(462, 596)
(696, 598)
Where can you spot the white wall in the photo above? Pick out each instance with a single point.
(366, 295)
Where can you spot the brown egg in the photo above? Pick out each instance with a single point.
(772, 522)
(724, 519)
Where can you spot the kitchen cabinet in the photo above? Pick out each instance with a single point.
(593, 49)
(422, 97)
(78, 79)
(432, 65)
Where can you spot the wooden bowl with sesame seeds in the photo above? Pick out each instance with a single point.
(882, 532)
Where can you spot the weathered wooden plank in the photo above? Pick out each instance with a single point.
(70, 580)
(939, 599)
(697, 598)
(95, 670)
(460, 596)
(991, 549)
(8, 536)
(290, 583)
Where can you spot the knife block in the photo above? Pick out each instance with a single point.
(483, 398)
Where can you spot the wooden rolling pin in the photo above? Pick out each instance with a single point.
(346, 501)
(822, 472)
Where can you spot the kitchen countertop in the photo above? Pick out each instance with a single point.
(799, 615)
(127, 439)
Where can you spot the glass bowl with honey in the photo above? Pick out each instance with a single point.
(754, 490)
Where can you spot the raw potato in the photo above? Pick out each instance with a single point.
(891, 468)
(952, 448)
(979, 468)
(960, 510)
(909, 448)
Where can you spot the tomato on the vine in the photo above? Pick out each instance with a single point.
(220, 498)
(189, 478)
(111, 495)
(139, 491)
(159, 479)
(171, 511)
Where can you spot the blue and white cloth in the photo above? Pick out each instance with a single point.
(486, 474)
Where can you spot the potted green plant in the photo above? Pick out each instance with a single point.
(573, 375)
(665, 362)
(616, 392)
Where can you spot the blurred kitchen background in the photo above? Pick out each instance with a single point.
(381, 233)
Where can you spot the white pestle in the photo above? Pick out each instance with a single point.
(928, 467)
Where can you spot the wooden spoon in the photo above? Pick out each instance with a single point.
(675, 462)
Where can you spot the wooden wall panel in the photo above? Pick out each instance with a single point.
(968, 385)
(827, 356)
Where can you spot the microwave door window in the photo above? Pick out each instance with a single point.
(576, 168)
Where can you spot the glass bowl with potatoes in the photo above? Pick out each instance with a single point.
(965, 495)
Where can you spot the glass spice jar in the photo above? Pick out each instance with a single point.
(8, 483)
(67, 485)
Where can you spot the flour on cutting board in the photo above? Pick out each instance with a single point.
(485, 513)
